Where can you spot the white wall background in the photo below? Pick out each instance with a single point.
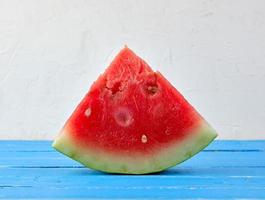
(213, 51)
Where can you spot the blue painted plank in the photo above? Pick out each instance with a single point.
(134, 192)
(225, 170)
(53, 153)
(224, 145)
(94, 180)
(203, 159)
(175, 172)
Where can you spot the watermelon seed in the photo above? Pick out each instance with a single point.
(167, 132)
(88, 112)
(144, 139)
(114, 88)
(123, 117)
(152, 90)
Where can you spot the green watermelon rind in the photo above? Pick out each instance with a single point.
(111, 163)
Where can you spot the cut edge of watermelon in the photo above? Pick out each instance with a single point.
(107, 162)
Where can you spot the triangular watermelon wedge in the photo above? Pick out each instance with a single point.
(133, 121)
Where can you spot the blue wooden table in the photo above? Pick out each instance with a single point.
(225, 170)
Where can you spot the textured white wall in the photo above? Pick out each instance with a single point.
(213, 51)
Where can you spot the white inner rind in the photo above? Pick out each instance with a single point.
(107, 162)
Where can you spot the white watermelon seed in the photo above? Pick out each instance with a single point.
(88, 112)
(144, 139)
(167, 131)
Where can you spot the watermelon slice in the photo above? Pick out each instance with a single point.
(133, 121)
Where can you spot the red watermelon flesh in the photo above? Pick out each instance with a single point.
(134, 121)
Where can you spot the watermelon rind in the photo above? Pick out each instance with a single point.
(175, 153)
